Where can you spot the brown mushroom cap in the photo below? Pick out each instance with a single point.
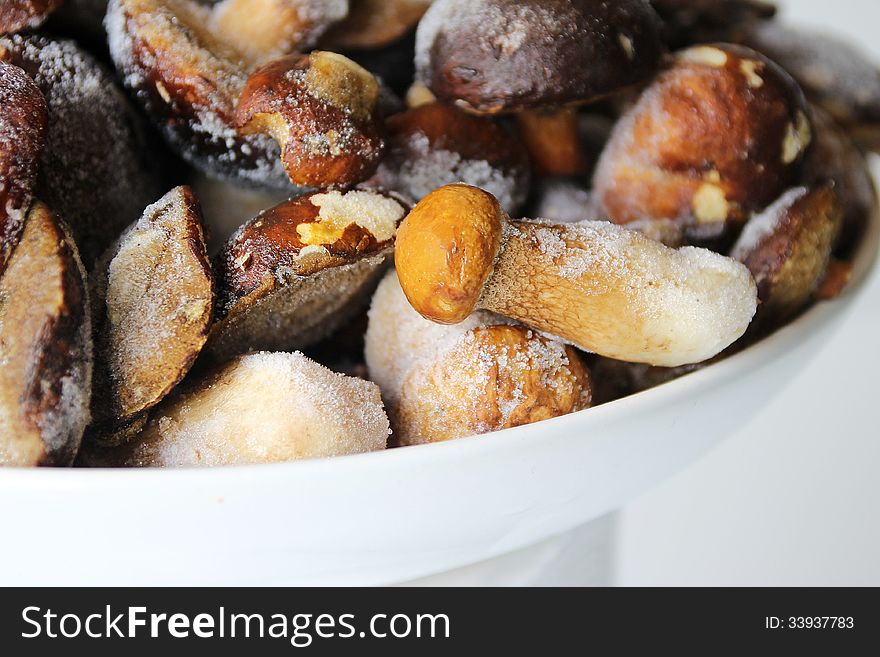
(509, 55)
(46, 347)
(719, 134)
(446, 251)
(17, 15)
(294, 273)
(22, 138)
(787, 248)
(321, 109)
(437, 144)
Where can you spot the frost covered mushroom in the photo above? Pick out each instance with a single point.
(537, 58)
(97, 169)
(322, 109)
(484, 374)
(258, 408)
(189, 82)
(718, 135)
(22, 139)
(18, 15)
(45, 346)
(153, 292)
(601, 287)
(436, 144)
(787, 248)
(296, 272)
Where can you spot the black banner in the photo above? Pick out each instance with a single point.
(434, 621)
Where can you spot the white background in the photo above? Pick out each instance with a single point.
(795, 497)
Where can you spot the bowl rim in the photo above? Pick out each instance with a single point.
(770, 347)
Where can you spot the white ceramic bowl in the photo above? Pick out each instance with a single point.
(394, 516)
(409, 513)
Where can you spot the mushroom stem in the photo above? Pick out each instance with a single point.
(553, 141)
(599, 286)
(617, 293)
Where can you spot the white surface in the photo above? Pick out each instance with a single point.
(794, 497)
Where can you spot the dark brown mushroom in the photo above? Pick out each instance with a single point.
(98, 170)
(690, 22)
(834, 73)
(493, 56)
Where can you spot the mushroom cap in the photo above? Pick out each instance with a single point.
(508, 55)
(322, 109)
(292, 275)
(446, 250)
(719, 134)
(787, 248)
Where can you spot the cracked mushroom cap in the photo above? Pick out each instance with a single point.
(509, 55)
(688, 22)
(297, 271)
(322, 109)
